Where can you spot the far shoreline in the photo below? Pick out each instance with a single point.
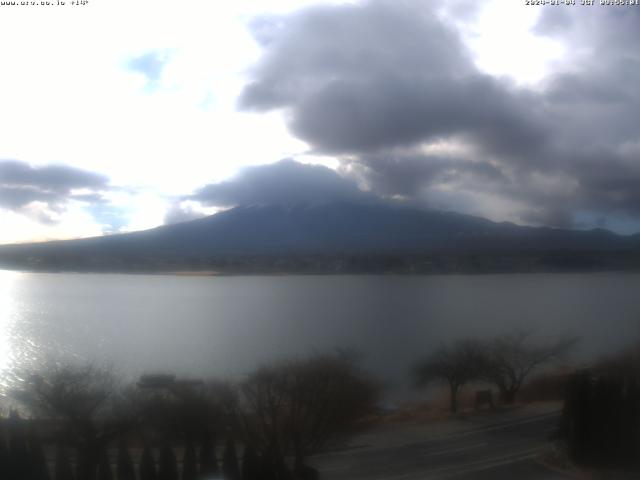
(263, 273)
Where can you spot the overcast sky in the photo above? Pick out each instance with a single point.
(120, 115)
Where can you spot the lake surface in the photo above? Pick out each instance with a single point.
(225, 326)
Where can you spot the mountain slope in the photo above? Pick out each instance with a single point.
(332, 229)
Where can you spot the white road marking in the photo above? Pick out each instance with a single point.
(469, 467)
(454, 450)
(338, 467)
(439, 438)
(487, 466)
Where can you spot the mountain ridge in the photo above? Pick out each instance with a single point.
(333, 230)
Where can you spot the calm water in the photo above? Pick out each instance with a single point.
(225, 326)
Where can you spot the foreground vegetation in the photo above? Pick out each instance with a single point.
(600, 426)
(164, 428)
(83, 423)
(506, 362)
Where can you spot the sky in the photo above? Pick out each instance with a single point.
(120, 115)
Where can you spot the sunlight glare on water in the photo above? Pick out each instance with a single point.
(8, 316)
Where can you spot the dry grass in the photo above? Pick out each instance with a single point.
(437, 407)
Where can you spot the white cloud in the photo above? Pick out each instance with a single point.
(502, 39)
(73, 223)
(69, 96)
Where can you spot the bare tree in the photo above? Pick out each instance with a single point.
(326, 395)
(456, 364)
(83, 400)
(300, 406)
(262, 407)
(68, 392)
(512, 358)
(181, 407)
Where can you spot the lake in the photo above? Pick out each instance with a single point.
(225, 326)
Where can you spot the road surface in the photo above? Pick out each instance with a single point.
(493, 447)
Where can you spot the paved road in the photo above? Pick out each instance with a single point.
(499, 449)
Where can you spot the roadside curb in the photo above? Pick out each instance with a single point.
(555, 468)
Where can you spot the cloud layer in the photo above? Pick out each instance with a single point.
(285, 182)
(390, 90)
(51, 187)
(385, 89)
(364, 77)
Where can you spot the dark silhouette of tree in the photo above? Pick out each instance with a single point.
(19, 465)
(267, 466)
(601, 419)
(179, 408)
(84, 400)
(250, 464)
(62, 470)
(104, 467)
(87, 462)
(455, 364)
(147, 465)
(601, 415)
(69, 391)
(575, 424)
(208, 460)
(512, 358)
(264, 408)
(305, 472)
(168, 469)
(38, 461)
(201, 405)
(189, 463)
(4, 455)
(300, 406)
(230, 467)
(326, 395)
(272, 465)
(124, 465)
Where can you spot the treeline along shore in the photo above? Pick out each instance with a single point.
(383, 263)
(75, 422)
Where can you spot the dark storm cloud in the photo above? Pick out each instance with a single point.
(364, 77)
(406, 175)
(595, 102)
(285, 182)
(373, 82)
(13, 197)
(54, 185)
(366, 80)
(54, 178)
(382, 113)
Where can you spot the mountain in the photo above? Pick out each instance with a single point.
(334, 237)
